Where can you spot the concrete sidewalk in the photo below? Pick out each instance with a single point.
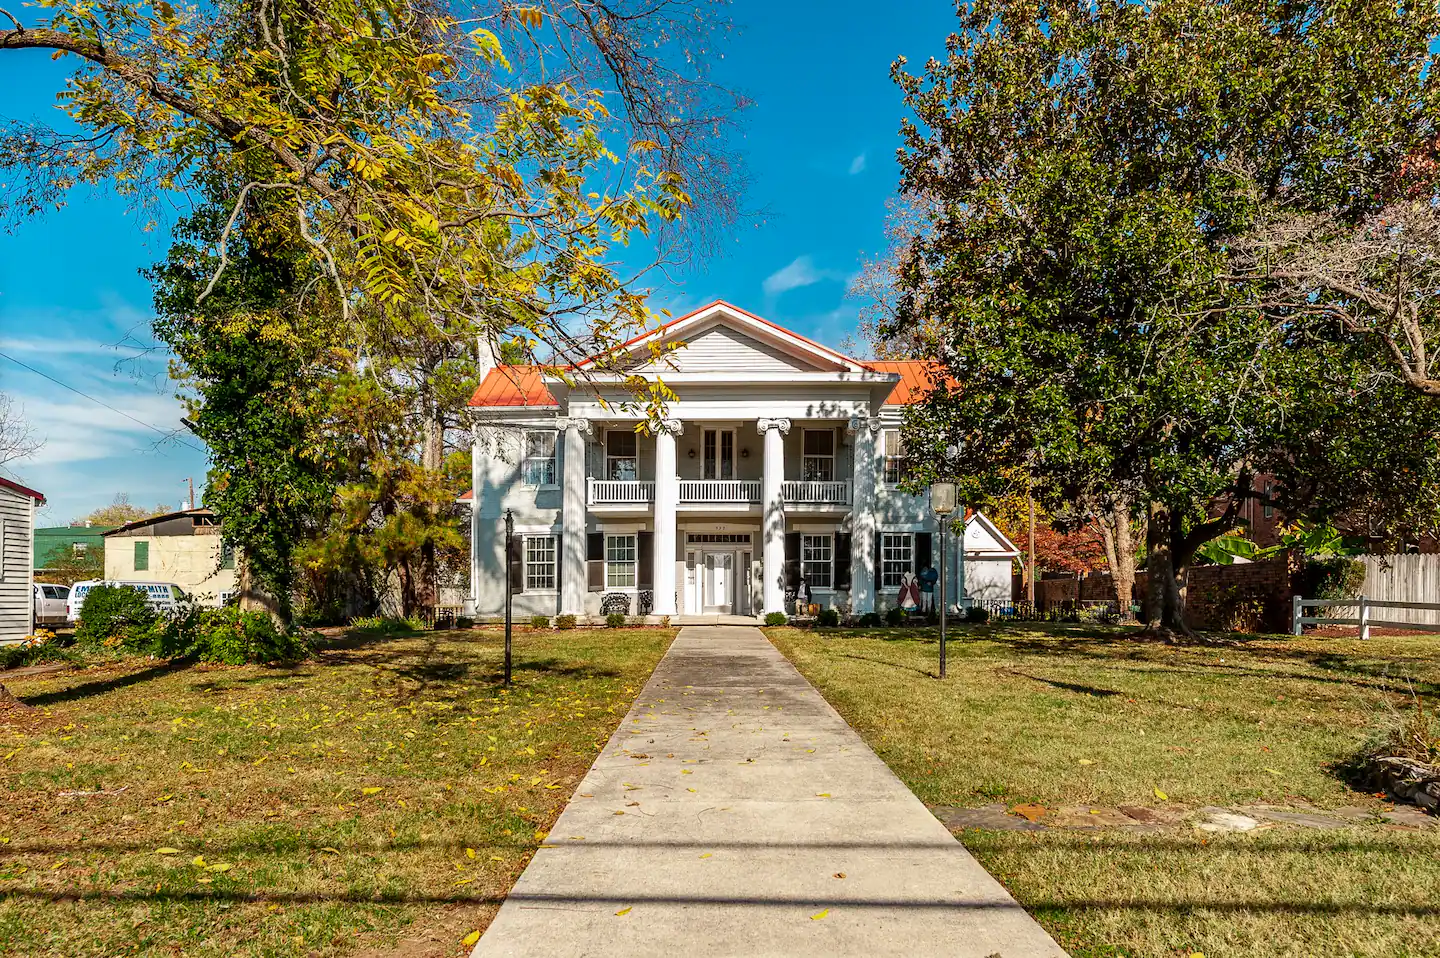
(735, 813)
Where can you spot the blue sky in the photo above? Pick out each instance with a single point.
(819, 142)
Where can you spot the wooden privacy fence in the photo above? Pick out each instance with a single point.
(1366, 617)
(1412, 578)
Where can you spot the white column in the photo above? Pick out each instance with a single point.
(572, 519)
(667, 496)
(866, 433)
(772, 501)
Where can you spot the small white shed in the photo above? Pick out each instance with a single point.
(17, 553)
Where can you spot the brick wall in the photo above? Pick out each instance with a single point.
(1214, 593)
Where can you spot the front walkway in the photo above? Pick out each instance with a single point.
(735, 813)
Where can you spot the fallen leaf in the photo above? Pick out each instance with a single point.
(1161, 795)
(839, 874)
(820, 914)
(707, 854)
(822, 794)
(220, 867)
(1086, 761)
(471, 938)
(167, 851)
(371, 790)
(1030, 811)
(623, 911)
(333, 851)
(469, 853)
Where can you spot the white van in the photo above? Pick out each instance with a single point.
(162, 596)
(52, 604)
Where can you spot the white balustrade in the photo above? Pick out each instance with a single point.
(620, 492)
(719, 490)
(817, 493)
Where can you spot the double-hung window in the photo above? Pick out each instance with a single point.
(537, 468)
(895, 461)
(620, 562)
(816, 560)
(1269, 500)
(818, 464)
(897, 557)
(540, 563)
(622, 460)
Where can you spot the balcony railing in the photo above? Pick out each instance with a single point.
(720, 490)
(620, 492)
(817, 493)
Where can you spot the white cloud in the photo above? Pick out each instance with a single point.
(76, 430)
(800, 272)
(857, 165)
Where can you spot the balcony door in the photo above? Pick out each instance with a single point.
(718, 452)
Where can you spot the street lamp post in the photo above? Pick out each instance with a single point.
(509, 585)
(942, 500)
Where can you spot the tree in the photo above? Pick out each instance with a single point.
(121, 510)
(1087, 173)
(73, 564)
(17, 438)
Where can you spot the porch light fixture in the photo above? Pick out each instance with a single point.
(942, 500)
(692, 453)
(744, 453)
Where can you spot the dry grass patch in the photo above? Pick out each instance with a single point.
(1073, 715)
(383, 796)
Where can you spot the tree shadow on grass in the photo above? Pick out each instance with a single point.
(100, 686)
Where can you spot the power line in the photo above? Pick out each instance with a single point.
(167, 435)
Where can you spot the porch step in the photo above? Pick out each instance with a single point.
(714, 620)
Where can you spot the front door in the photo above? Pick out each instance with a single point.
(719, 583)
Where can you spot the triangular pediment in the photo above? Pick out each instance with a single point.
(723, 338)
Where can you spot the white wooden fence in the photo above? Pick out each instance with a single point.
(1366, 617)
(1409, 578)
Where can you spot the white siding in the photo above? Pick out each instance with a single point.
(16, 589)
(720, 349)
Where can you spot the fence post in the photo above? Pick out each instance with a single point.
(1297, 610)
(1364, 617)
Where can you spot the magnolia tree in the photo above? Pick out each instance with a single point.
(1097, 189)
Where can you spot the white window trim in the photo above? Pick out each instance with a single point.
(633, 563)
(910, 551)
(554, 458)
(609, 458)
(831, 457)
(828, 562)
(885, 457)
(554, 562)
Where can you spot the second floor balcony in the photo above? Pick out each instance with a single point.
(729, 492)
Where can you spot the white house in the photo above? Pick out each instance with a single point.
(17, 532)
(780, 458)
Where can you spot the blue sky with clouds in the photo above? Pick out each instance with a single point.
(819, 142)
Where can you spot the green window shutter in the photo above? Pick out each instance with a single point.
(142, 556)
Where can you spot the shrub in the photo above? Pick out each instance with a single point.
(1411, 732)
(37, 648)
(895, 617)
(615, 620)
(1339, 578)
(115, 615)
(564, 622)
(977, 614)
(387, 624)
(233, 637)
(539, 621)
(776, 618)
(464, 622)
(828, 618)
(870, 620)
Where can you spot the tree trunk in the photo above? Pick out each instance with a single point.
(432, 461)
(1165, 599)
(253, 598)
(1118, 536)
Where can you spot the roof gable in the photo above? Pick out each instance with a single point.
(22, 490)
(723, 348)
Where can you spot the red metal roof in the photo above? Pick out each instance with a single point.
(513, 386)
(23, 490)
(917, 378)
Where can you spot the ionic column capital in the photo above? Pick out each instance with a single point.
(583, 426)
(670, 427)
(764, 425)
(858, 424)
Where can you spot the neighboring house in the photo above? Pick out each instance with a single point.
(183, 547)
(779, 458)
(17, 533)
(56, 542)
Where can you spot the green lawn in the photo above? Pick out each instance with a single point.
(1074, 716)
(380, 799)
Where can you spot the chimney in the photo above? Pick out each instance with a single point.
(485, 359)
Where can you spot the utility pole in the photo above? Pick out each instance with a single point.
(190, 481)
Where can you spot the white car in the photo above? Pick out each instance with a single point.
(163, 596)
(51, 604)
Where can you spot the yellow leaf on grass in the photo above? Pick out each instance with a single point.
(371, 790)
(1086, 761)
(1273, 771)
(471, 938)
(167, 851)
(469, 853)
(820, 914)
(623, 911)
(464, 881)
(333, 851)
(198, 861)
(220, 867)
(1161, 795)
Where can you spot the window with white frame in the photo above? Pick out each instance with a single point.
(895, 460)
(537, 466)
(897, 557)
(816, 556)
(620, 562)
(622, 460)
(1269, 500)
(540, 563)
(818, 464)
